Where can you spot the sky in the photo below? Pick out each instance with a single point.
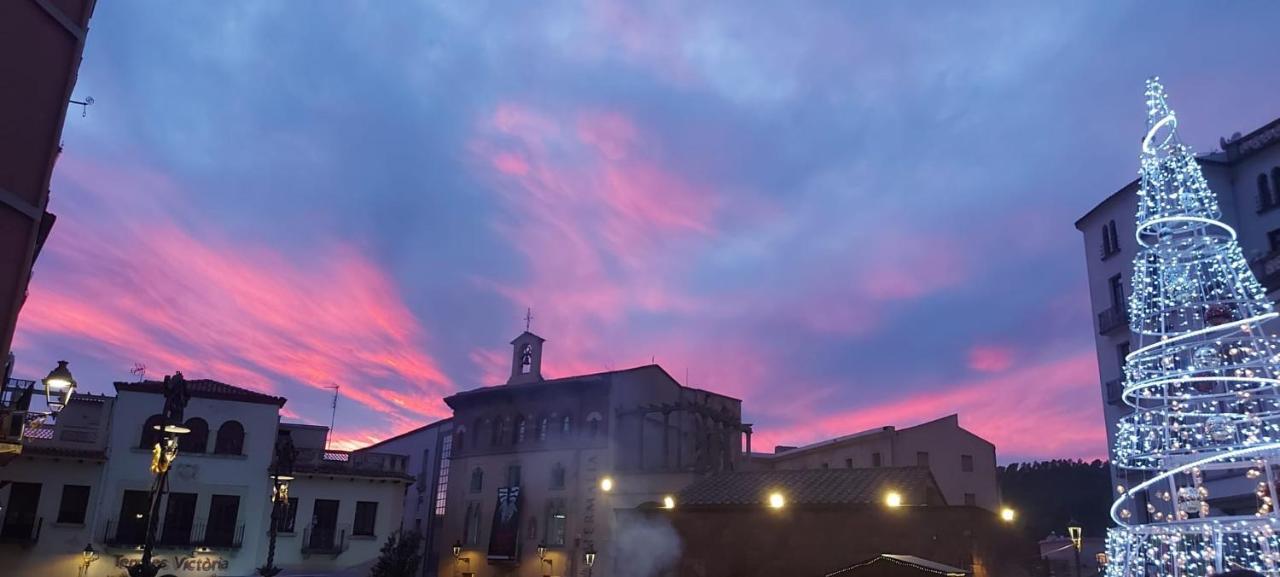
(848, 215)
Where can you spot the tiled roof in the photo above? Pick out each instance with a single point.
(207, 389)
(808, 486)
(924, 565)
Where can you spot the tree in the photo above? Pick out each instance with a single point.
(1196, 457)
(1047, 495)
(400, 556)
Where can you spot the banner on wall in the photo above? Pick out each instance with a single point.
(504, 538)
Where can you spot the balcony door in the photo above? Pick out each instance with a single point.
(20, 514)
(179, 515)
(132, 524)
(324, 522)
(223, 512)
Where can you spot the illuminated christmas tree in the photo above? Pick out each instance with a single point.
(1201, 445)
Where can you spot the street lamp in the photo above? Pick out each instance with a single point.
(163, 453)
(87, 557)
(58, 386)
(281, 474)
(606, 484)
(1007, 515)
(893, 499)
(1076, 532)
(457, 549)
(457, 556)
(590, 558)
(542, 556)
(668, 502)
(777, 500)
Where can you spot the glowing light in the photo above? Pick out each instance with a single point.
(1007, 515)
(1146, 140)
(668, 502)
(606, 484)
(776, 500)
(893, 499)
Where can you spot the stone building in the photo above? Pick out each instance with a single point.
(548, 462)
(963, 463)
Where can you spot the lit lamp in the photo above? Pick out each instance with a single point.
(457, 549)
(668, 502)
(606, 484)
(58, 387)
(1101, 559)
(542, 555)
(1076, 532)
(1007, 515)
(893, 499)
(590, 558)
(87, 557)
(777, 500)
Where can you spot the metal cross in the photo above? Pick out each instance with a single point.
(528, 318)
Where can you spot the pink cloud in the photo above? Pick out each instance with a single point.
(1051, 408)
(990, 358)
(152, 291)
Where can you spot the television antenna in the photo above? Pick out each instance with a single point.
(333, 416)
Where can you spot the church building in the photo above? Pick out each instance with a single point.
(539, 466)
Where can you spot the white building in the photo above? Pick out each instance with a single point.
(1245, 174)
(962, 463)
(85, 480)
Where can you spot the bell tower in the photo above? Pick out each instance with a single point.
(526, 358)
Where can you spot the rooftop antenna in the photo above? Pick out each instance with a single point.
(84, 106)
(139, 370)
(333, 416)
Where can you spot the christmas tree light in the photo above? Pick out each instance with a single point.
(1204, 434)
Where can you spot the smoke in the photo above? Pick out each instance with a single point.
(645, 546)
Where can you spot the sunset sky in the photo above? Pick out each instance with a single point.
(846, 216)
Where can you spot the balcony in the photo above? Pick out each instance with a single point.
(357, 463)
(324, 541)
(1267, 269)
(1112, 319)
(21, 531)
(200, 535)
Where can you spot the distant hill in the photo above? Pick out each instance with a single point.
(1048, 494)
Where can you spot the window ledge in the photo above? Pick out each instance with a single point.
(360, 537)
(69, 525)
(182, 455)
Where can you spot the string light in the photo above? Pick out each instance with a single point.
(1204, 384)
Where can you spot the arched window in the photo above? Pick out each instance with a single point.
(150, 432)
(593, 424)
(501, 430)
(520, 429)
(198, 439)
(1265, 199)
(542, 428)
(230, 440)
(557, 476)
(459, 437)
(477, 480)
(1106, 240)
(476, 436)
(566, 425)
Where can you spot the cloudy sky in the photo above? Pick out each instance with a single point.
(847, 216)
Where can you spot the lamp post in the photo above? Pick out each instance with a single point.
(590, 558)
(176, 396)
(542, 556)
(281, 474)
(87, 557)
(457, 556)
(58, 386)
(1076, 532)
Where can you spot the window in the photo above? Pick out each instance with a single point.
(593, 424)
(1122, 351)
(366, 518)
(179, 517)
(500, 431)
(74, 504)
(477, 435)
(970, 499)
(875, 459)
(221, 528)
(556, 522)
(922, 458)
(848, 463)
(20, 513)
(566, 425)
(966, 463)
(288, 516)
(513, 475)
(230, 440)
(477, 480)
(471, 531)
(1275, 186)
(520, 426)
(1273, 240)
(150, 433)
(826, 466)
(542, 429)
(198, 439)
(526, 359)
(457, 440)
(557, 476)
(1110, 240)
(1266, 201)
(442, 485)
(1116, 288)
(131, 525)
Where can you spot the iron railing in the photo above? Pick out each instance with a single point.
(16, 531)
(324, 541)
(1112, 319)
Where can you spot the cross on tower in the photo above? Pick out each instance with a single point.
(528, 318)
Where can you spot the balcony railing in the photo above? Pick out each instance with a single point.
(127, 534)
(217, 537)
(1112, 319)
(26, 532)
(324, 541)
(200, 534)
(359, 462)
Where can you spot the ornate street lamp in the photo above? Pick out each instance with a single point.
(1076, 532)
(457, 549)
(542, 555)
(87, 557)
(58, 387)
(590, 558)
(163, 453)
(281, 474)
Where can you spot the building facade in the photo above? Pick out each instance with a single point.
(84, 480)
(1245, 175)
(963, 463)
(549, 461)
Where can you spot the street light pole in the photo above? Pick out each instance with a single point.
(1076, 532)
(281, 474)
(176, 396)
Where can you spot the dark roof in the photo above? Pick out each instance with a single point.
(439, 423)
(600, 377)
(521, 336)
(206, 389)
(908, 560)
(808, 486)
